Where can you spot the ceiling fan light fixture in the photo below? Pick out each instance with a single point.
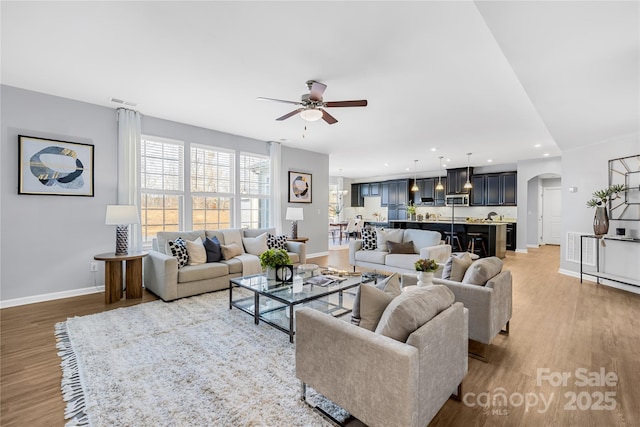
(311, 114)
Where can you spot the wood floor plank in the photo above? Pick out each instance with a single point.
(557, 323)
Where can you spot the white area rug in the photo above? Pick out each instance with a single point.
(191, 362)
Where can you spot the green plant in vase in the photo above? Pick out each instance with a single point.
(411, 210)
(599, 201)
(425, 269)
(272, 258)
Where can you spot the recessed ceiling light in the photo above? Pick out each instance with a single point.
(448, 160)
(489, 160)
(538, 145)
(386, 164)
(546, 154)
(434, 149)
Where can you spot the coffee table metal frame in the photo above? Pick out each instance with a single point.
(283, 294)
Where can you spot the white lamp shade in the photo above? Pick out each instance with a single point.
(311, 115)
(295, 214)
(121, 215)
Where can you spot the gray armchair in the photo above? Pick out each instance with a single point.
(490, 305)
(381, 381)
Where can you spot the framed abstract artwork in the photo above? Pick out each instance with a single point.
(299, 187)
(50, 167)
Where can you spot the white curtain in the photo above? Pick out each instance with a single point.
(129, 133)
(275, 150)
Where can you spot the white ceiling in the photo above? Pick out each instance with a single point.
(491, 78)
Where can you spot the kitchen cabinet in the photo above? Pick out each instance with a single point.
(477, 196)
(456, 178)
(427, 190)
(393, 193)
(511, 236)
(439, 194)
(384, 194)
(501, 189)
(374, 189)
(403, 191)
(356, 197)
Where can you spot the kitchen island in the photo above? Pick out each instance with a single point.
(494, 233)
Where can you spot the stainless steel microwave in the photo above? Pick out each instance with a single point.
(456, 200)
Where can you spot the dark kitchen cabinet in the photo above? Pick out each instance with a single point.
(403, 191)
(393, 193)
(356, 197)
(426, 188)
(374, 189)
(477, 196)
(384, 194)
(456, 178)
(501, 189)
(511, 236)
(439, 194)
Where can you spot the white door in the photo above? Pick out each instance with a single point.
(551, 216)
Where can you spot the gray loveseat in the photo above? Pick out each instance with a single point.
(163, 277)
(426, 244)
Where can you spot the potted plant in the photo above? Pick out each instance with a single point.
(273, 258)
(425, 269)
(411, 211)
(599, 201)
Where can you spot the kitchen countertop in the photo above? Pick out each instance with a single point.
(456, 222)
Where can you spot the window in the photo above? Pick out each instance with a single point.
(255, 190)
(161, 185)
(212, 189)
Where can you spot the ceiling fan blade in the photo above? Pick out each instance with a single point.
(359, 103)
(293, 113)
(260, 98)
(317, 89)
(328, 118)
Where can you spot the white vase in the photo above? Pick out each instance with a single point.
(425, 278)
(271, 273)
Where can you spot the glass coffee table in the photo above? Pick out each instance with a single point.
(275, 301)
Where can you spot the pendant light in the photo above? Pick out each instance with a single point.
(440, 187)
(415, 188)
(467, 185)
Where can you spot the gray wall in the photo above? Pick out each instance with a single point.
(48, 242)
(316, 216)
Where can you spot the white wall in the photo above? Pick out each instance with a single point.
(49, 241)
(587, 169)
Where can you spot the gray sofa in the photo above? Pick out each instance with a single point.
(426, 244)
(380, 380)
(163, 277)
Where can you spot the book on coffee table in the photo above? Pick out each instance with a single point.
(323, 280)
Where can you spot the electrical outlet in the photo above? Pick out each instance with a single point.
(94, 266)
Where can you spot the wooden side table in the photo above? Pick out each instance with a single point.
(299, 239)
(113, 275)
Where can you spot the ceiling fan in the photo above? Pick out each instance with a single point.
(313, 107)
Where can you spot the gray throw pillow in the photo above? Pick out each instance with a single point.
(412, 309)
(459, 267)
(390, 286)
(446, 271)
(400, 248)
(482, 270)
(212, 246)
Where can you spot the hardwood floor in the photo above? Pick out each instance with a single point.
(557, 324)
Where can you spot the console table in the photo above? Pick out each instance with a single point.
(601, 274)
(113, 275)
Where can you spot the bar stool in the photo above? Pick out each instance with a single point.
(473, 238)
(453, 240)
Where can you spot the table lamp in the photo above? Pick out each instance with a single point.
(294, 215)
(122, 216)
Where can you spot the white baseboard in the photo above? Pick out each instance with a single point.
(50, 297)
(522, 251)
(533, 246)
(605, 282)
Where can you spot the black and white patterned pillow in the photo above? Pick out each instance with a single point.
(277, 242)
(179, 250)
(369, 239)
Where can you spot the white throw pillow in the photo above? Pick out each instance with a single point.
(383, 236)
(255, 245)
(197, 252)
